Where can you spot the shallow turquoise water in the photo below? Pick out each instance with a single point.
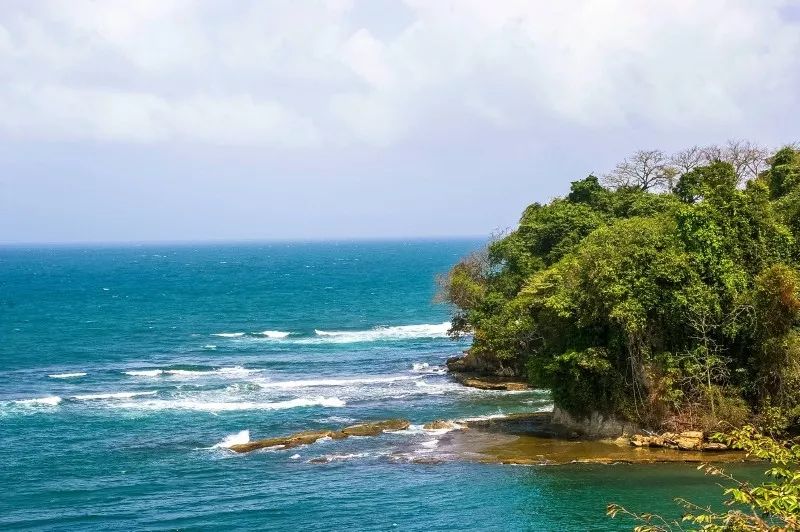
(124, 370)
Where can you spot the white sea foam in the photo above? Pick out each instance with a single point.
(114, 395)
(234, 439)
(229, 334)
(218, 406)
(67, 375)
(399, 332)
(145, 373)
(232, 371)
(273, 334)
(483, 418)
(307, 383)
(424, 367)
(52, 400)
(338, 457)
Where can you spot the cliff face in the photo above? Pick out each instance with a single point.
(594, 426)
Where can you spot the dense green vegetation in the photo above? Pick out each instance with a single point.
(666, 293)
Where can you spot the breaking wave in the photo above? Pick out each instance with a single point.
(233, 371)
(427, 369)
(234, 439)
(399, 332)
(230, 406)
(376, 334)
(307, 383)
(67, 375)
(52, 400)
(114, 395)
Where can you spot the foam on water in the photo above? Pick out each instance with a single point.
(233, 371)
(399, 332)
(52, 400)
(113, 395)
(229, 334)
(239, 438)
(67, 375)
(231, 406)
(425, 368)
(307, 383)
(273, 334)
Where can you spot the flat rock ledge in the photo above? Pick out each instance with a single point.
(484, 382)
(691, 440)
(310, 436)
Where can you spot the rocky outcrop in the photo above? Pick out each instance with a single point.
(443, 424)
(485, 365)
(287, 442)
(595, 425)
(373, 429)
(539, 424)
(490, 383)
(486, 372)
(690, 440)
(311, 436)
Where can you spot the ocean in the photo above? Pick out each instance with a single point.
(127, 371)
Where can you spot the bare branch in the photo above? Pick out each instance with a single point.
(645, 169)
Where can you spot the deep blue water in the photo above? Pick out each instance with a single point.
(125, 368)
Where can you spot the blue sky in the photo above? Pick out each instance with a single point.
(207, 120)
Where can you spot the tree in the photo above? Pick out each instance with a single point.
(645, 169)
(747, 159)
(687, 160)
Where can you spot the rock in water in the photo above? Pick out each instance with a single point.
(286, 442)
(442, 424)
(373, 429)
(311, 436)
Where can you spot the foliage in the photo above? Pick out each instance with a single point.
(670, 297)
(773, 505)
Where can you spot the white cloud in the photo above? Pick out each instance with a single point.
(310, 74)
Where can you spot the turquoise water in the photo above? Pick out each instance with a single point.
(126, 370)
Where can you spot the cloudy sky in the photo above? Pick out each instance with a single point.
(204, 120)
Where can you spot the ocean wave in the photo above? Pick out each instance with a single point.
(382, 333)
(399, 332)
(239, 438)
(216, 406)
(427, 369)
(328, 458)
(232, 371)
(482, 418)
(273, 334)
(308, 383)
(113, 395)
(67, 375)
(52, 400)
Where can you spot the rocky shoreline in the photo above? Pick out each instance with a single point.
(536, 438)
(523, 439)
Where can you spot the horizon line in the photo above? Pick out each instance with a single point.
(212, 241)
